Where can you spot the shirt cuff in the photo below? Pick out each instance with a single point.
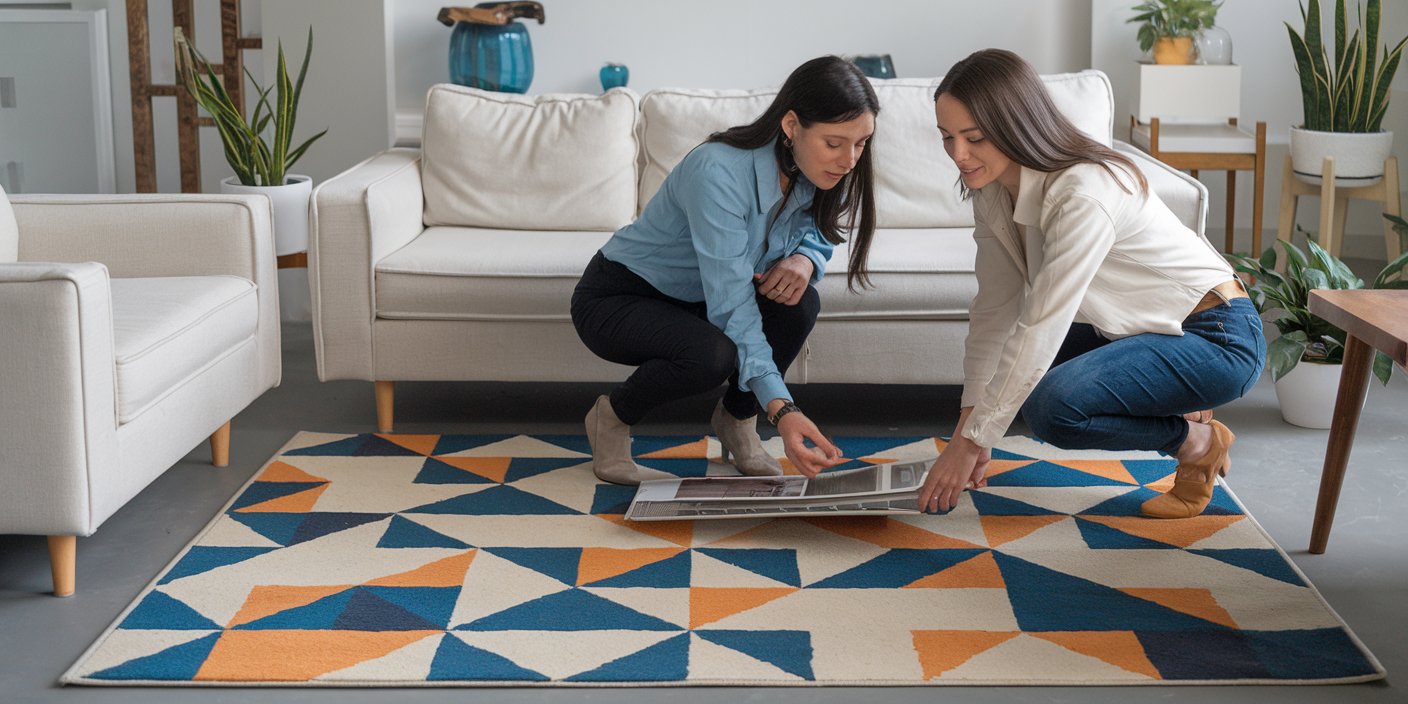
(768, 387)
(818, 265)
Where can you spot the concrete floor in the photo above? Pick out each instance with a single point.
(1364, 574)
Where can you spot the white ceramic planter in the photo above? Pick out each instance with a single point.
(1307, 394)
(289, 206)
(1359, 156)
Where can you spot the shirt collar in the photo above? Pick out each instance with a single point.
(769, 191)
(1030, 194)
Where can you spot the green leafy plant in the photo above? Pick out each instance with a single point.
(1304, 335)
(1350, 95)
(255, 161)
(1172, 18)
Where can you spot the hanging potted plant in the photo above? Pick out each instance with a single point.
(1169, 26)
(1344, 101)
(260, 166)
(1305, 361)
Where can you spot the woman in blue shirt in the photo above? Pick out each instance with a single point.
(714, 282)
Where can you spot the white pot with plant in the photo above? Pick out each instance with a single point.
(1344, 101)
(1306, 360)
(260, 166)
(1168, 27)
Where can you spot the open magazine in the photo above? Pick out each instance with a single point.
(873, 489)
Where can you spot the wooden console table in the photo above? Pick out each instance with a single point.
(1374, 320)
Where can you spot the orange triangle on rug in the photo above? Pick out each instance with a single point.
(1119, 648)
(977, 572)
(279, 656)
(941, 651)
(597, 564)
(446, 572)
(710, 604)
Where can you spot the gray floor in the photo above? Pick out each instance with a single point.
(1364, 575)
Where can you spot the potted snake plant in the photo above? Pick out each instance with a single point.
(1306, 360)
(1344, 100)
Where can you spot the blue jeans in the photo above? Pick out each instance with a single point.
(1130, 394)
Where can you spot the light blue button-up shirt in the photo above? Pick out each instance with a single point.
(701, 238)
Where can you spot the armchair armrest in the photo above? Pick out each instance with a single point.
(162, 235)
(358, 217)
(1186, 196)
(58, 421)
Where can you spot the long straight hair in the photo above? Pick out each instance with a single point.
(827, 89)
(1011, 106)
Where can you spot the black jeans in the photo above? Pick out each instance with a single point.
(677, 352)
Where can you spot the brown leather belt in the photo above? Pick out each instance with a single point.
(1219, 294)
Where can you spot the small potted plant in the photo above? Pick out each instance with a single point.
(1305, 361)
(1169, 26)
(1344, 100)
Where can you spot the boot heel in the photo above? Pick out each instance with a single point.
(725, 455)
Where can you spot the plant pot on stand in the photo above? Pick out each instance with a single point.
(289, 205)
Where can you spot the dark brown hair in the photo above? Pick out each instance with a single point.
(1011, 106)
(826, 89)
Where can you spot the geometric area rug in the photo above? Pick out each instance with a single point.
(473, 560)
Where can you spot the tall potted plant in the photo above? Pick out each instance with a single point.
(1305, 361)
(1344, 101)
(1169, 26)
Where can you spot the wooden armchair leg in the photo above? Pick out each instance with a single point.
(385, 404)
(63, 562)
(220, 446)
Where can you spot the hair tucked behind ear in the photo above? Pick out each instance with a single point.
(825, 89)
(1011, 106)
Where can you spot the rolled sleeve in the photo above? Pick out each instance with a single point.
(815, 247)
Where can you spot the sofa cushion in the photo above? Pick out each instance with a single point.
(676, 120)
(548, 162)
(456, 273)
(9, 231)
(168, 329)
(917, 274)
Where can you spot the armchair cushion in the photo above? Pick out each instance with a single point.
(551, 162)
(168, 329)
(9, 231)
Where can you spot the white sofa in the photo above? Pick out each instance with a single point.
(132, 328)
(457, 261)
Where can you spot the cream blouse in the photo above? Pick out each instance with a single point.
(1075, 247)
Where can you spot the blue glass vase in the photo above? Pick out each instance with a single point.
(492, 57)
(614, 76)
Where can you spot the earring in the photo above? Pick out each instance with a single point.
(787, 142)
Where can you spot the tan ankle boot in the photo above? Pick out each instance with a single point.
(739, 438)
(611, 448)
(1192, 487)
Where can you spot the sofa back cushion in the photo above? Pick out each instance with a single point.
(9, 231)
(547, 162)
(915, 181)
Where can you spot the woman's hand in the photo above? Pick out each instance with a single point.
(794, 429)
(963, 464)
(786, 280)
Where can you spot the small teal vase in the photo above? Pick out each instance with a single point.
(491, 57)
(614, 76)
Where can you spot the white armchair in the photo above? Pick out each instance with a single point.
(131, 328)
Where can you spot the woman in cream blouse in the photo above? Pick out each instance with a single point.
(1099, 316)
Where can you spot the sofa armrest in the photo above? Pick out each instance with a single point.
(1186, 196)
(358, 217)
(58, 421)
(162, 235)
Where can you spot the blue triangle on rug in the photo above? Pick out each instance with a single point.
(680, 468)
(319, 615)
(433, 604)
(858, 447)
(319, 524)
(789, 651)
(1126, 504)
(278, 527)
(201, 559)
(179, 662)
(159, 611)
(496, 501)
(1043, 473)
(670, 573)
(775, 564)
(612, 499)
(665, 661)
(1263, 561)
(570, 610)
(357, 446)
(1102, 537)
(1202, 654)
(559, 563)
(524, 467)
(897, 568)
(457, 660)
(1310, 653)
(437, 472)
(576, 443)
(1150, 471)
(450, 444)
(259, 492)
(989, 504)
(366, 611)
(1046, 600)
(405, 533)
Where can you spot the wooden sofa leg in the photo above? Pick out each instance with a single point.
(220, 446)
(385, 404)
(63, 562)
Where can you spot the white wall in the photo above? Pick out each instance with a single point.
(1270, 93)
